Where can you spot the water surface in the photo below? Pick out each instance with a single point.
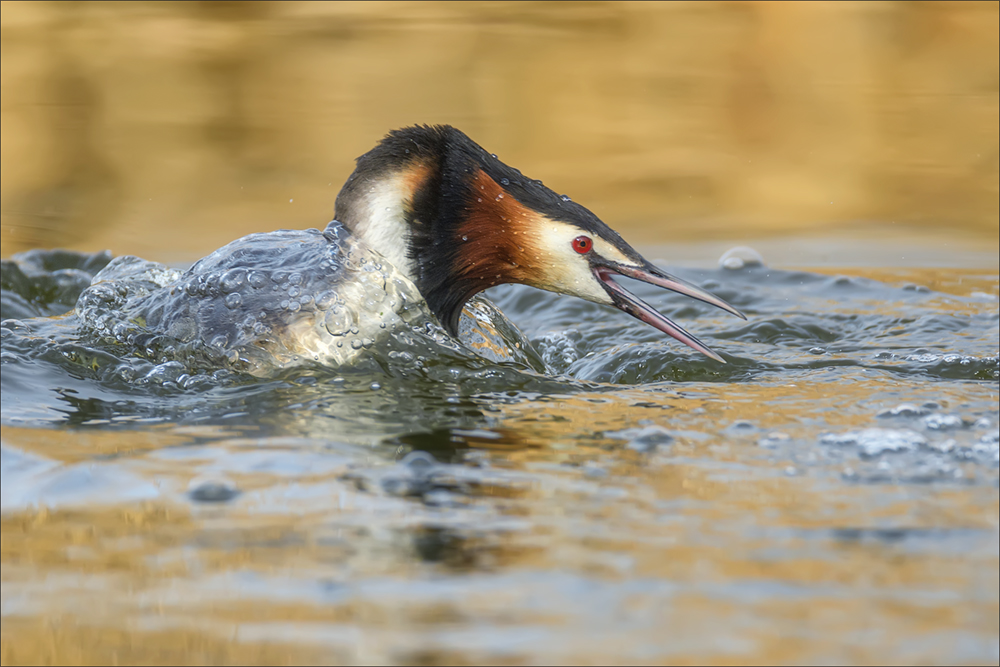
(829, 494)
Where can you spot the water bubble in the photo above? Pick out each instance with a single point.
(166, 372)
(295, 278)
(232, 280)
(338, 320)
(774, 439)
(356, 344)
(293, 306)
(212, 490)
(740, 257)
(872, 442)
(939, 422)
(944, 447)
(234, 300)
(294, 291)
(325, 300)
(644, 439)
(902, 410)
(212, 283)
(219, 342)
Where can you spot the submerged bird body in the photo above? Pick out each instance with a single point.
(427, 220)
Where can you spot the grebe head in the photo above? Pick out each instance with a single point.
(456, 220)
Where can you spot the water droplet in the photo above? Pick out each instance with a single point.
(939, 422)
(234, 300)
(740, 257)
(504, 181)
(493, 155)
(355, 344)
(774, 439)
(565, 198)
(374, 386)
(338, 320)
(212, 491)
(232, 280)
(465, 238)
(479, 199)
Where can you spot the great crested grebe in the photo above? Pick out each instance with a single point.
(427, 217)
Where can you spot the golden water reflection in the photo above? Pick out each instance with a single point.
(166, 130)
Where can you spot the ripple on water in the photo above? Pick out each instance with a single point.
(432, 458)
(873, 442)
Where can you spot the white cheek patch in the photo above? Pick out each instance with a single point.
(564, 269)
(384, 221)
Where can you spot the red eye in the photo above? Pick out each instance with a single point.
(582, 244)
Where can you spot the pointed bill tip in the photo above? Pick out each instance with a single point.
(639, 309)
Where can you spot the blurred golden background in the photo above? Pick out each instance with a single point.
(166, 130)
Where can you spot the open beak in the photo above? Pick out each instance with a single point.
(641, 310)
